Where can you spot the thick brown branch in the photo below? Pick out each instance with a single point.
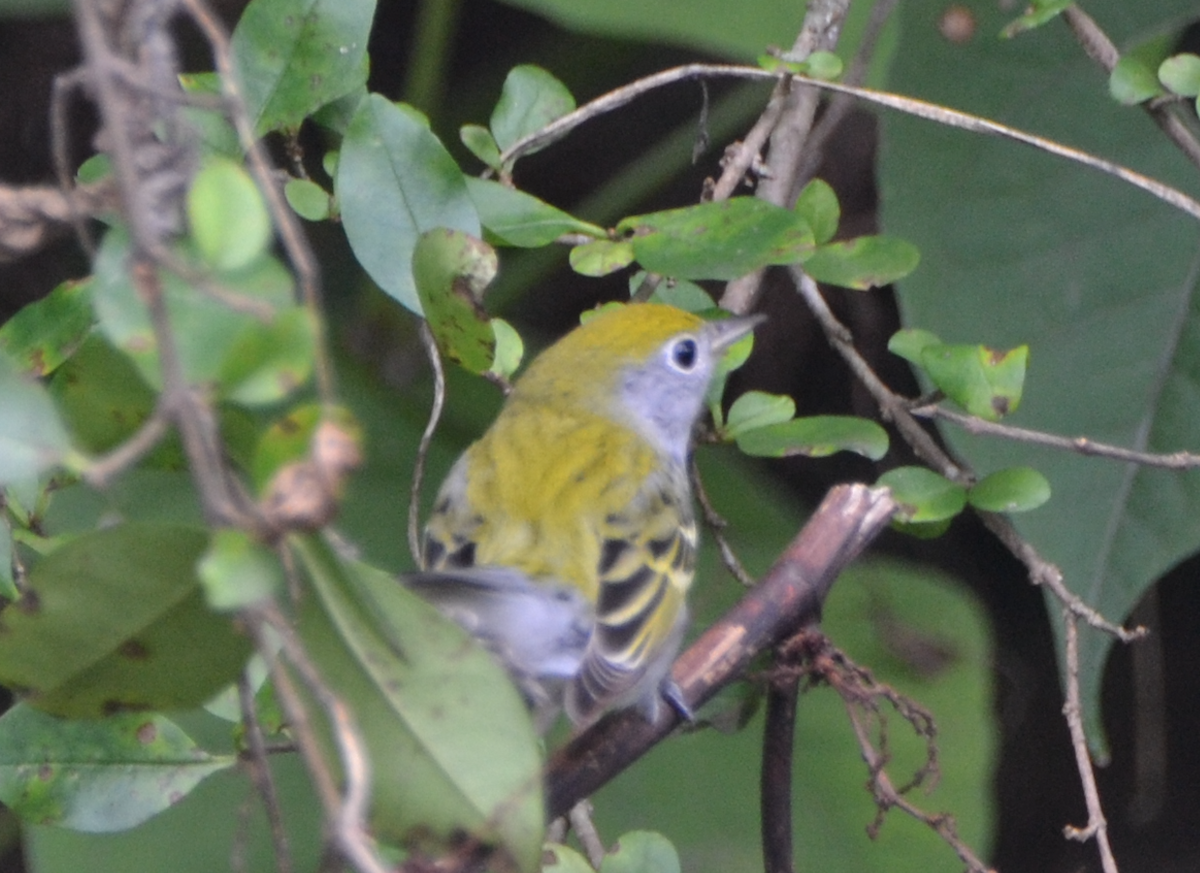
(790, 595)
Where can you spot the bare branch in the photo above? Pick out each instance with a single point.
(1097, 826)
(1079, 445)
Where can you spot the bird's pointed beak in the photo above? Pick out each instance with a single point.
(726, 332)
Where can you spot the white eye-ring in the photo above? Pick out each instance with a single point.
(684, 354)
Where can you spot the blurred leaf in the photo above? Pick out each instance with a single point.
(43, 334)
(1131, 81)
(227, 216)
(816, 436)
(307, 199)
(480, 142)
(641, 852)
(97, 775)
(295, 56)
(452, 747)
(824, 65)
(1017, 489)
(452, 270)
(601, 257)
(286, 440)
(115, 620)
(865, 262)
(557, 858)
(985, 382)
(722, 240)
(237, 571)
(923, 495)
(32, 437)
(531, 99)
(205, 329)
(268, 361)
(518, 219)
(1181, 74)
(510, 349)
(755, 409)
(818, 206)
(910, 343)
(1037, 13)
(8, 585)
(394, 181)
(103, 398)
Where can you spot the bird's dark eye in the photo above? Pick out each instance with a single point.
(684, 354)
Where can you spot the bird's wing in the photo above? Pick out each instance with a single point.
(647, 560)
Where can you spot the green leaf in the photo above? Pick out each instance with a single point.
(32, 437)
(268, 361)
(515, 218)
(395, 180)
(307, 199)
(679, 293)
(1132, 81)
(451, 745)
(452, 270)
(823, 65)
(294, 56)
(601, 257)
(641, 852)
(923, 496)
(985, 382)
(237, 571)
(1181, 74)
(97, 775)
(510, 349)
(756, 409)
(722, 240)
(910, 343)
(818, 206)
(1017, 489)
(816, 436)
(1037, 14)
(530, 99)
(46, 332)
(115, 620)
(480, 142)
(228, 218)
(865, 262)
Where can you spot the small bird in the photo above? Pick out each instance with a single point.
(565, 538)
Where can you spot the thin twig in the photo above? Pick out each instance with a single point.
(908, 105)
(435, 414)
(716, 524)
(260, 775)
(1079, 445)
(775, 776)
(291, 235)
(102, 471)
(1097, 826)
(788, 143)
(346, 814)
(580, 818)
